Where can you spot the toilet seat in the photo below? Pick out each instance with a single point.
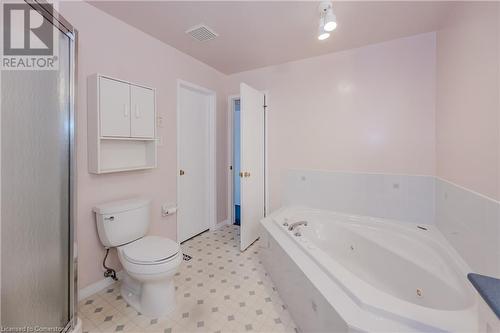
(150, 250)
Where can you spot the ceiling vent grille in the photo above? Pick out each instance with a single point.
(201, 33)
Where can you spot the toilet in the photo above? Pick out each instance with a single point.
(149, 262)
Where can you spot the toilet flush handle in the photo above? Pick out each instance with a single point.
(110, 218)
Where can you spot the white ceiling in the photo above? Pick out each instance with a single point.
(261, 33)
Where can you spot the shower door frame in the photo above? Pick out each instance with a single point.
(59, 22)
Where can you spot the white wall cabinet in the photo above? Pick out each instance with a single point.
(114, 107)
(121, 125)
(143, 112)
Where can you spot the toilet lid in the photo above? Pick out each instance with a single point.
(150, 250)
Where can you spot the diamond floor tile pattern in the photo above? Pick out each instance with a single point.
(219, 290)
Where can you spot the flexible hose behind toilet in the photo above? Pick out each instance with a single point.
(110, 272)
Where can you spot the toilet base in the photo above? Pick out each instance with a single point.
(154, 299)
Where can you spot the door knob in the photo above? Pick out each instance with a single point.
(181, 172)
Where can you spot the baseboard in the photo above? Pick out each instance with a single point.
(97, 286)
(221, 224)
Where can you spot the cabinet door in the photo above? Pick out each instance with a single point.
(114, 107)
(143, 112)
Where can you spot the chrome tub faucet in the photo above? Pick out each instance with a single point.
(296, 224)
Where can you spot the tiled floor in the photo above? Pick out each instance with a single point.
(219, 290)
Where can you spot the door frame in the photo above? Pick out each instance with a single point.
(212, 191)
(230, 130)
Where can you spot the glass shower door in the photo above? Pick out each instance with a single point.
(36, 242)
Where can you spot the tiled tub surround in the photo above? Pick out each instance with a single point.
(348, 273)
(400, 197)
(219, 290)
(471, 223)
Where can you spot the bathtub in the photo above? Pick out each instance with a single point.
(347, 273)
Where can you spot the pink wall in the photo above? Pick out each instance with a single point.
(468, 105)
(109, 46)
(364, 110)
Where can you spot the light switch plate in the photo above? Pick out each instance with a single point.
(159, 121)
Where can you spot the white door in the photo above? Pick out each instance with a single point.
(114, 107)
(142, 102)
(193, 152)
(252, 163)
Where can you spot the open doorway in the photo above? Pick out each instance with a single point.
(247, 156)
(236, 204)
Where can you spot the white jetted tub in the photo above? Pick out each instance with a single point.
(347, 273)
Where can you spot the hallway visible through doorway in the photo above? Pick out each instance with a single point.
(236, 162)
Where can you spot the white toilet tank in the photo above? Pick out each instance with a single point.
(121, 222)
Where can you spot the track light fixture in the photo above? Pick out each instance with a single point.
(327, 20)
(322, 33)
